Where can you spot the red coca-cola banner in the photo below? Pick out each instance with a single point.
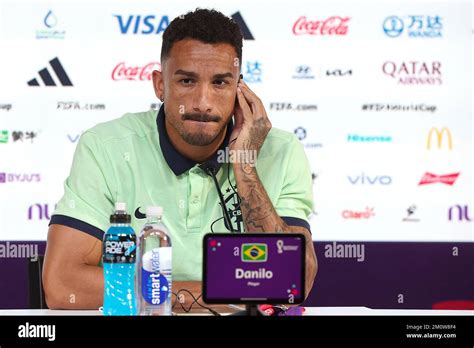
(122, 72)
(335, 25)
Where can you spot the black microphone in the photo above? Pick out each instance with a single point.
(210, 169)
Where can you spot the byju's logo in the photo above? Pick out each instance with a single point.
(439, 137)
(142, 24)
(447, 179)
(364, 179)
(47, 78)
(14, 177)
(50, 22)
(415, 26)
(462, 213)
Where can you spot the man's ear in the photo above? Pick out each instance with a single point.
(158, 84)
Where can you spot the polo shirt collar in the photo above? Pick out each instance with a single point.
(176, 161)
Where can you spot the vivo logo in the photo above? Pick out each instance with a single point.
(370, 180)
(39, 212)
(73, 138)
(142, 24)
(462, 213)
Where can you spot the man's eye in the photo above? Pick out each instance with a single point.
(220, 82)
(186, 81)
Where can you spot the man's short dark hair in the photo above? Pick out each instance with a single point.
(207, 26)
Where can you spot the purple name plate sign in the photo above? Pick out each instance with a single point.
(254, 268)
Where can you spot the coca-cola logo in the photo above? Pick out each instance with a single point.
(122, 72)
(335, 25)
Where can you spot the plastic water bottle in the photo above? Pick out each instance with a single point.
(153, 281)
(118, 259)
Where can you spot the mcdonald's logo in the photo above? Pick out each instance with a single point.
(440, 137)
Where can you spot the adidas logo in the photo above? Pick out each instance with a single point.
(48, 79)
(237, 17)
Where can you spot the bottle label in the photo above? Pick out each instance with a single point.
(155, 285)
(119, 248)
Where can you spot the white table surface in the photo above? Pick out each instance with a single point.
(317, 311)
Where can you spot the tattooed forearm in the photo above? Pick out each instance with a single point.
(257, 209)
(260, 216)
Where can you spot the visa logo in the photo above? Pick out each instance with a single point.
(138, 24)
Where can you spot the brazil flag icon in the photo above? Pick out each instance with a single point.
(254, 252)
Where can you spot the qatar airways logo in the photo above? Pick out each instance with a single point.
(334, 25)
(414, 72)
(447, 179)
(124, 72)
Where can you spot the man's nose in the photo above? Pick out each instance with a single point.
(202, 102)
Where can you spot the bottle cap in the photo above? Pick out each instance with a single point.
(120, 215)
(120, 206)
(154, 211)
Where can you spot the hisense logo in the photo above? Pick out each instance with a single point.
(357, 138)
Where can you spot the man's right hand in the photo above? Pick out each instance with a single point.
(72, 277)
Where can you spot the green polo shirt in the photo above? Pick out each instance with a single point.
(132, 160)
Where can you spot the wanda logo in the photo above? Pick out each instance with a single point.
(335, 25)
(122, 72)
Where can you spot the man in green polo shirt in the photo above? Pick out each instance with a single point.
(210, 123)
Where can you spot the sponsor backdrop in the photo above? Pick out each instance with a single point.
(378, 92)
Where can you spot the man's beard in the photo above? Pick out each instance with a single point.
(198, 138)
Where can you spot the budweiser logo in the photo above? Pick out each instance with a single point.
(447, 179)
(334, 25)
(134, 73)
